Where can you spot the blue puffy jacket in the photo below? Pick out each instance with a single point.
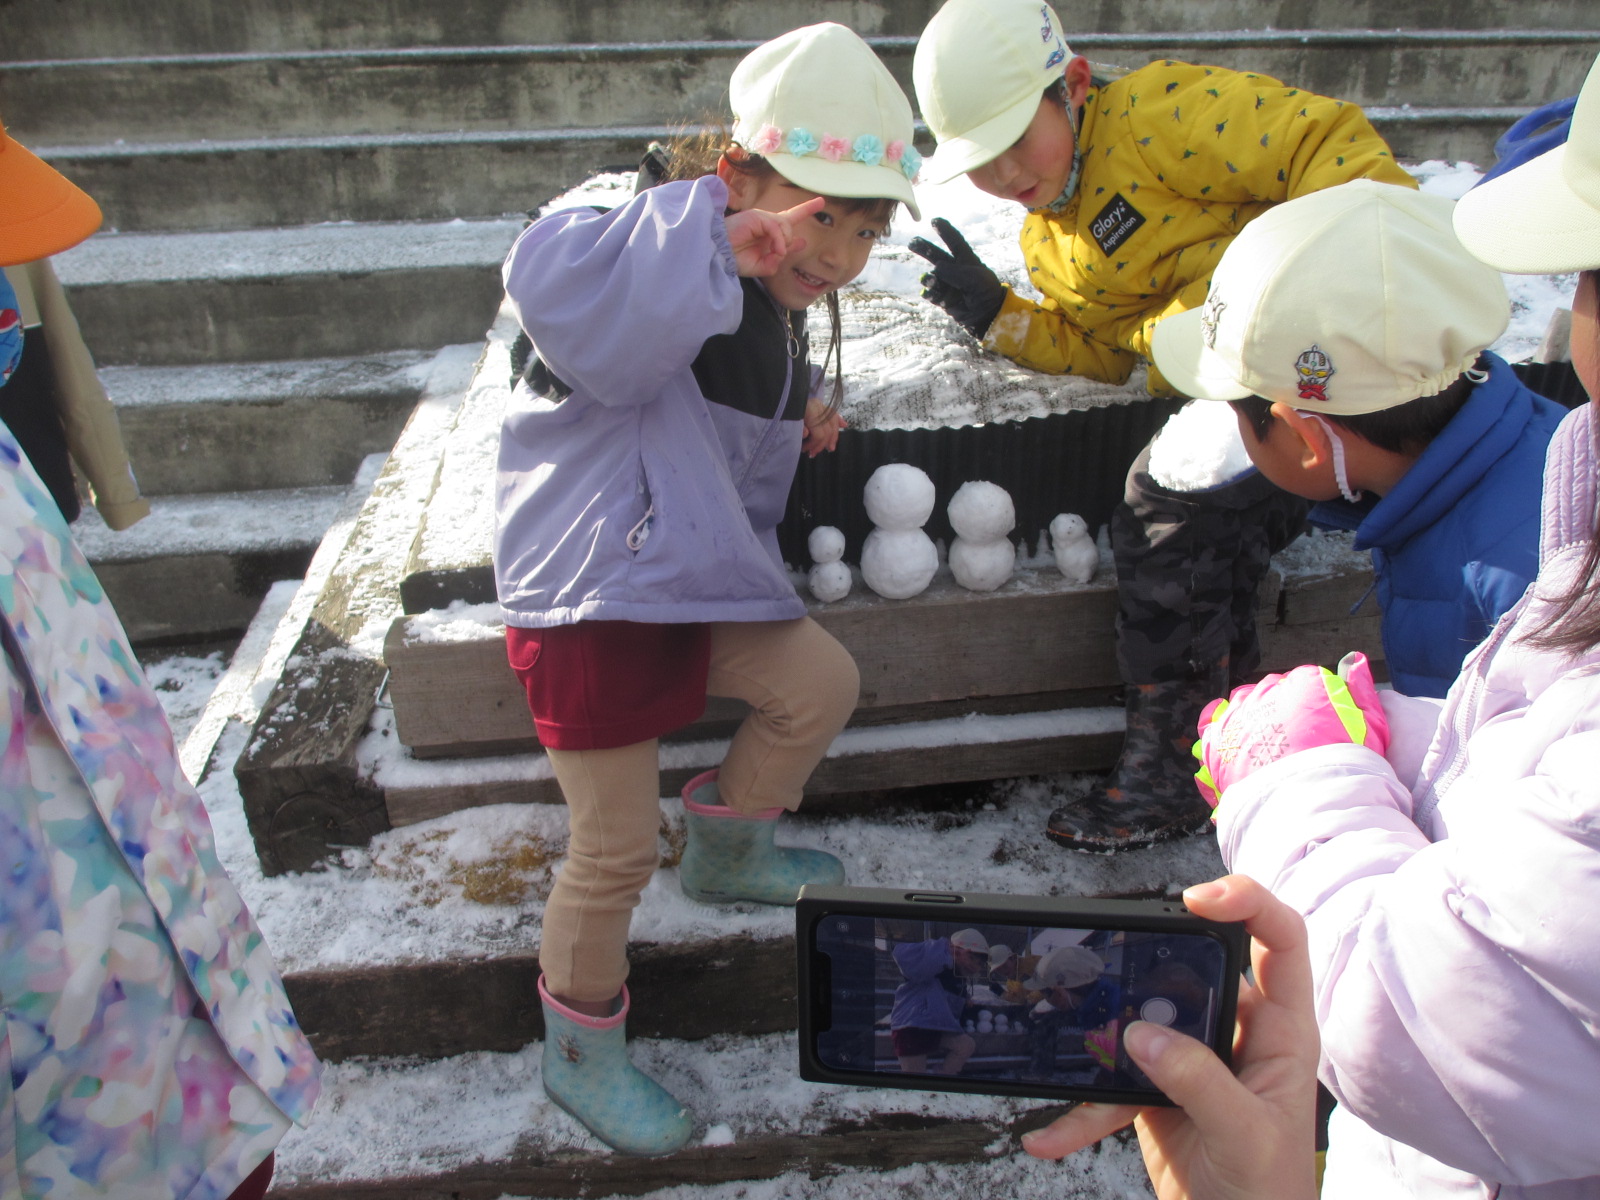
(1456, 543)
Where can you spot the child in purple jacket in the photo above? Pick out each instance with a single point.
(644, 467)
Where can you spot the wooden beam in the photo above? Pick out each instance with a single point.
(303, 795)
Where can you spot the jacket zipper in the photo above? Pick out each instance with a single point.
(776, 419)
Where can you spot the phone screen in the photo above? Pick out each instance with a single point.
(1022, 1006)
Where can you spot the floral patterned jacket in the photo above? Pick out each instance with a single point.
(147, 1048)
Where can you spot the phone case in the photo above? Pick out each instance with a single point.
(1110, 920)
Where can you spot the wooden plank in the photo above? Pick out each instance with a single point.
(1038, 634)
(1286, 646)
(845, 773)
(1329, 598)
(303, 795)
(883, 1142)
(732, 985)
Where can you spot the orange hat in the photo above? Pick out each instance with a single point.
(42, 212)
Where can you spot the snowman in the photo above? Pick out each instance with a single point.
(982, 556)
(898, 559)
(1077, 556)
(830, 578)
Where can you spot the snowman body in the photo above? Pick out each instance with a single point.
(898, 559)
(982, 556)
(1076, 555)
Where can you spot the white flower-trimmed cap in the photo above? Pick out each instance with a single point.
(979, 69)
(822, 108)
(1349, 300)
(1543, 216)
(970, 939)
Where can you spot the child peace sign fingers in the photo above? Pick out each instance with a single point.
(760, 240)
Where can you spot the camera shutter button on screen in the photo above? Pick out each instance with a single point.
(1158, 1010)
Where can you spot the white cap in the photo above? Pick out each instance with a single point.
(822, 108)
(1066, 967)
(1543, 216)
(970, 939)
(999, 955)
(979, 70)
(1345, 301)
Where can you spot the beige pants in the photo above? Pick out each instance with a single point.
(802, 687)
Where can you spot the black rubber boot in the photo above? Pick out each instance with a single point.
(1150, 796)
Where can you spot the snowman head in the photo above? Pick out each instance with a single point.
(1067, 527)
(982, 511)
(899, 496)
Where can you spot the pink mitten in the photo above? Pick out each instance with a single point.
(1284, 714)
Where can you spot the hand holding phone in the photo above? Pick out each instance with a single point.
(1249, 1137)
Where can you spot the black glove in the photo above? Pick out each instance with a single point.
(959, 282)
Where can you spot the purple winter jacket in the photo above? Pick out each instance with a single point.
(634, 498)
(1453, 902)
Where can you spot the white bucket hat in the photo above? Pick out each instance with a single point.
(822, 108)
(1066, 967)
(979, 69)
(1344, 301)
(970, 939)
(1544, 216)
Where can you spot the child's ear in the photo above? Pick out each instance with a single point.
(738, 182)
(1078, 79)
(1313, 448)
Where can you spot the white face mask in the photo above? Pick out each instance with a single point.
(1339, 475)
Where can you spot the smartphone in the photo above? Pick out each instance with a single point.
(1004, 995)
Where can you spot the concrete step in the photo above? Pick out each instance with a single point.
(257, 182)
(108, 28)
(297, 293)
(477, 175)
(426, 923)
(246, 426)
(482, 1127)
(198, 566)
(505, 88)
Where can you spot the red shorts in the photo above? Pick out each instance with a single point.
(912, 1040)
(598, 685)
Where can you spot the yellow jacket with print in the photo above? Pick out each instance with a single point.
(1176, 160)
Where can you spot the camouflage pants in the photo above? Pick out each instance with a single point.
(1188, 566)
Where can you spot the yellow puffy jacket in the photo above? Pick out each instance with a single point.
(1177, 159)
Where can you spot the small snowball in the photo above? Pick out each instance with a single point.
(898, 563)
(829, 581)
(1077, 556)
(982, 566)
(826, 544)
(982, 511)
(899, 496)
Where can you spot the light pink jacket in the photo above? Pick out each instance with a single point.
(1454, 907)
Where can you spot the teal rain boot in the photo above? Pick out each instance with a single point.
(730, 855)
(587, 1072)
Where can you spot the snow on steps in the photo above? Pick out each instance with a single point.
(235, 426)
(480, 1128)
(331, 290)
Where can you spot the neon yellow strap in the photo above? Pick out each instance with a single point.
(1345, 707)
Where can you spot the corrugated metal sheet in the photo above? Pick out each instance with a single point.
(1064, 462)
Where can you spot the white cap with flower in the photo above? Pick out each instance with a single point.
(821, 107)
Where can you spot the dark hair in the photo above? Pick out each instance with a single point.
(1576, 625)
(693, 154)
(1404, 429)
